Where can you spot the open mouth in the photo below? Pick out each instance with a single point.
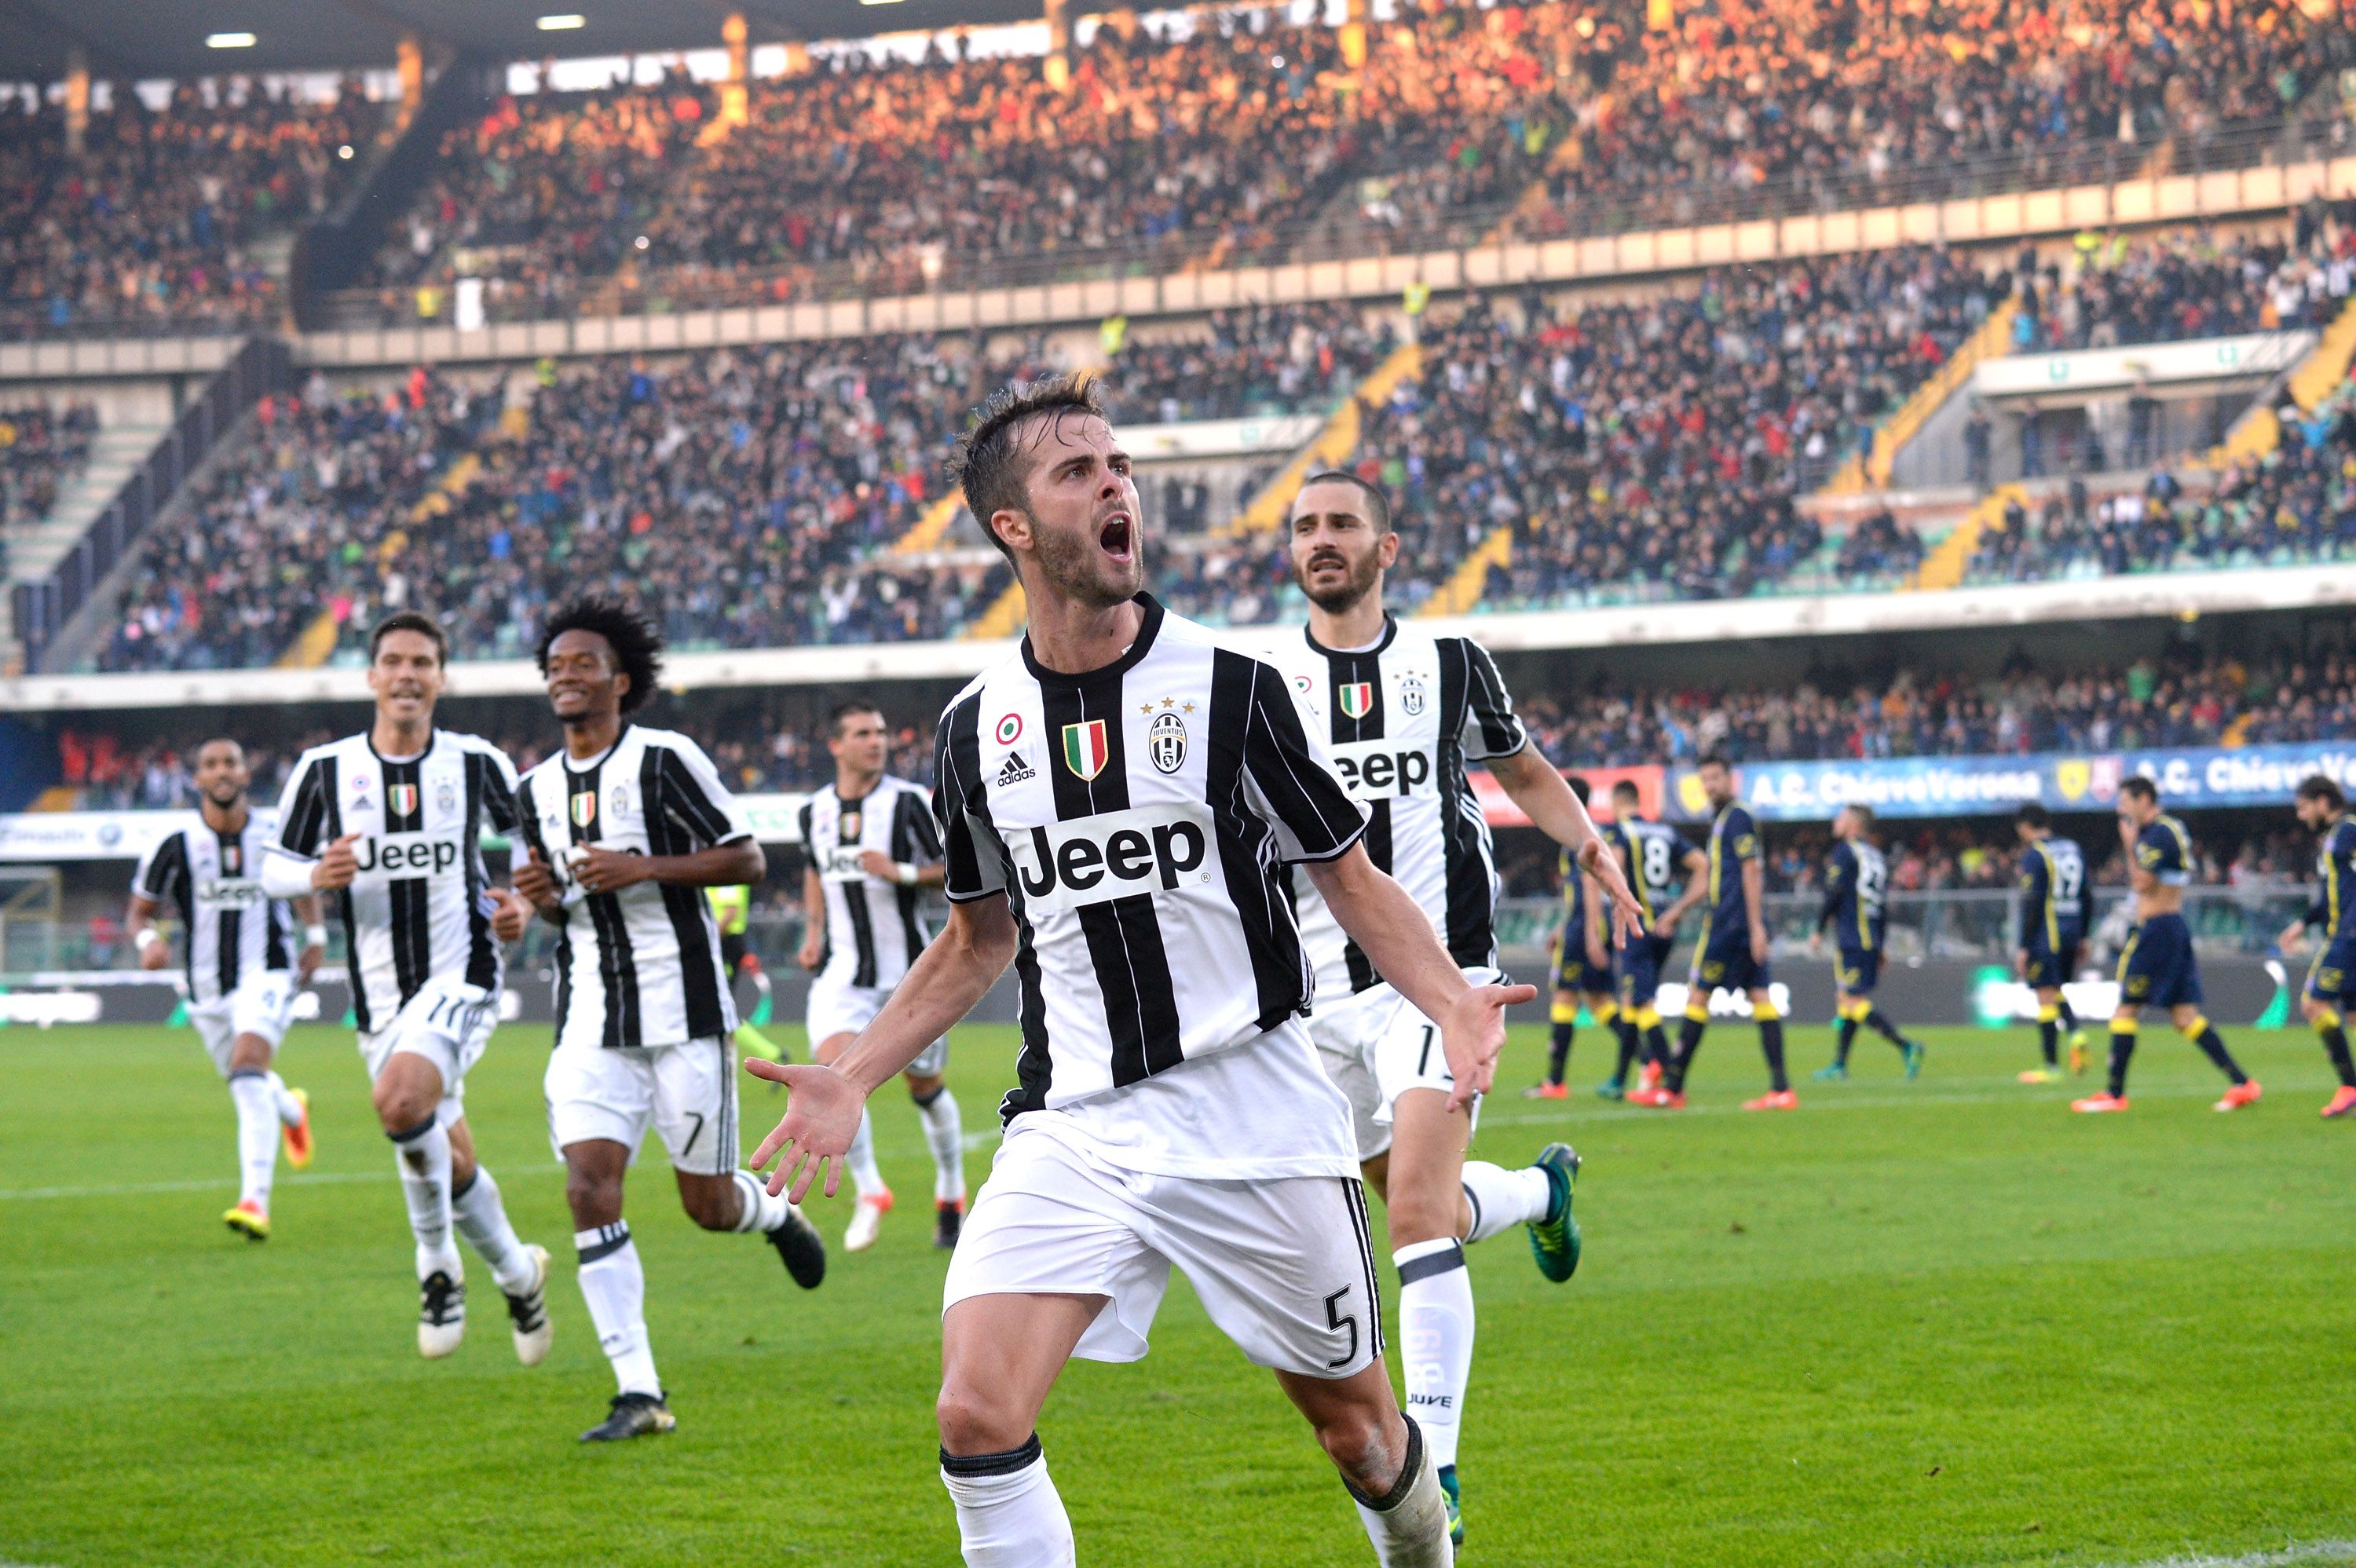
(1115, 536)
(1326, 562)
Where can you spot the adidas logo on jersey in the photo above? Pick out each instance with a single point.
(1015, 771)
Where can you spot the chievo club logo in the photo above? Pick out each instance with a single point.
(402, 799)
(1086, 749)
(1357, 698)
(585, 809)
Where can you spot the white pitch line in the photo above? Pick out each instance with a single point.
(138, 1188)
(2313, 1552)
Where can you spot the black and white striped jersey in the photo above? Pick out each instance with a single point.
(641, 966)
(873, 930)
(1137, 819)
(1402, 718)
(421, 907)
(213, 881)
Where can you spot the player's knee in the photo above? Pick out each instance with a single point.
(714, 1208)
(971, 1423)
(2318, 1012)
(249, 1053)
(1355, 1438)
(400, 1105)
(595, 1199)
(1418, 1216)
(922, 1090)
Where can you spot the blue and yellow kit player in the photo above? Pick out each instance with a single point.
(2330, 989)
(1582, 967)
(1856, 908)
(2157, 968)
(1733, 952)
(2052, 927)
(1652, 855)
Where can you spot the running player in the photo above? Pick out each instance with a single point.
(618, 832)
(1856, 880)
(1651, 855)
(1118, 799)
(390, 822)
(1733, 949)
(2330, 989)
(239, 988)
(2158, 969)
(732, 908)
(1582, 969)
(873, 849)
(2052, 925)
(1403, 713)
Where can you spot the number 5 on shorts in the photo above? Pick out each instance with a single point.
(1337, 1322)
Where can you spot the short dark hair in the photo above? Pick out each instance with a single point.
(1380, 503)
(842, 710)
(2139, 786)
(1627, 788)
(2032, 815)
(1579, 786)
(989, 465)
(1714, 760)
(2318, 787)
(239, 746)
(416, 620)
(1864, 814)
(638, 646)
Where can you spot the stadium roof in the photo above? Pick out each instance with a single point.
(139, 38)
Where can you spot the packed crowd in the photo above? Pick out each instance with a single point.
(1246, 138)
(2295, 504)
(1653, 448)
(42, 448)
(155, 225)
(747, 493)
(2116, 292)
(2181, 701)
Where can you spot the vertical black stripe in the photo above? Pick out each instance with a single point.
(1470, 928)
(614, 968)
(723, 1153)
(527, 825)
(962, 804)
(1246, 850)
(818, 863)
(410, 897)
(171, 880)
(856, 895)
(1353, 1199)
(328, 775)
(305, 817)
(910, 838)
(661, 773)
(482, 951)
(228, 938)
(1346, 673)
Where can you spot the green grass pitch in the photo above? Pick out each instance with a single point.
(1941, 1323)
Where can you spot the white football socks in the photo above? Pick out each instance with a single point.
(861, 1158)
(257, 1137)
(1435, 1339)
(759, 1212)
(290, 1110)
(1503, 1199)
(422, 1155)
(1410, 1527)
(483, 1221)
(945, 1134)
(613, 1284)
(1009, 1515)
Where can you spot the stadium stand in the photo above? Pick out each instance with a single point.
(161, 224)
(1236, 143)
(42, 448)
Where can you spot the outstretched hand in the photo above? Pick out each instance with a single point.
(1474, 1033)
(822, 1111)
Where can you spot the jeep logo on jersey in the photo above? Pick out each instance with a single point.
(401, 799)
(585, 809)
(1085, 748)
(1357, 698)
(842, 864)
(230, 892)
(1064, 866)
(407, 854)
(1166, 742)
(1381, 769)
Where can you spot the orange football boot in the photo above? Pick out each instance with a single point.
(2239, 1095)
(2096, 1104)
(1773, 1100)
(2343, 1103)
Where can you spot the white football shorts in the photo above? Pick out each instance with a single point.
(1285, 1267)
(449, 1023)
(1375, 1047)
(260, 1005)
(838, 1007)
(686, 1092)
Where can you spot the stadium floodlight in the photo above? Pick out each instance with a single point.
(563, 23)
(229, 40)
